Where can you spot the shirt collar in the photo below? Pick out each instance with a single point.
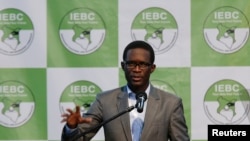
(147, 90)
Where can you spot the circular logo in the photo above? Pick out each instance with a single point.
(226, 30)
(79, 93)
(226, 102)
(157, 27)
(163, 86)
(82, 31)
(16, 104)
(16, 31)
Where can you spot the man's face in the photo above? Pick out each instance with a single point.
(137, 68)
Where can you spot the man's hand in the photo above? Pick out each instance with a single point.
(73, 118)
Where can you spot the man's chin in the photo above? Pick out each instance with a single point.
(136, 84)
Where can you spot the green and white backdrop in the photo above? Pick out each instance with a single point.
(56, 54)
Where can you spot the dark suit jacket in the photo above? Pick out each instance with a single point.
(164, 119)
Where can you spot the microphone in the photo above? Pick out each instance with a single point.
(103, 123)
(141, 98)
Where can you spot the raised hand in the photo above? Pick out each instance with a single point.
(73, 118)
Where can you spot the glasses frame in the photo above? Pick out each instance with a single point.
(132, 65)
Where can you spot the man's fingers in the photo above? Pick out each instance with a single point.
(74, 116)
(63, 120)
(70, 111)
(77, 109)
(64, 115)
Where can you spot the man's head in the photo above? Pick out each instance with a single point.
(138, 64)
(139, 44)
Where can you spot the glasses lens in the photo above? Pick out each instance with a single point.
(141, 65)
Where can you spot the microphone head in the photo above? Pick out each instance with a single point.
(140, 95)
(141, 98)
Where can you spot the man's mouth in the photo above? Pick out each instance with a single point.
(136, 78)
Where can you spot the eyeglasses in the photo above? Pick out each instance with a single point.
(132, 65)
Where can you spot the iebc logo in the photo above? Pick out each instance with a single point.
(226, 30)
(227, 102)
(157, 27)
(82, 31)
(16, 31)
(16, 103)
(80, 93)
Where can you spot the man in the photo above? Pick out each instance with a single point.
(162, 118)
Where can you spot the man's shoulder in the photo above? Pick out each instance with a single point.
(164, 93)
(112, 92)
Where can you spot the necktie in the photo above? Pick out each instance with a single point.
(137, 129)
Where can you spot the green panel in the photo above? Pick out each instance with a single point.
(107, 53)
(18, 122)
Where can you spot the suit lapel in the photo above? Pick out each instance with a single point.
(122, 105)
(151, 111)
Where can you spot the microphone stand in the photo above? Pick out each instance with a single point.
(104, 122)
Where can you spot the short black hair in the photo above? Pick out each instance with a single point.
(140, 44)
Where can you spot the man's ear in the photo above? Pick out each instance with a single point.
(122, 65)
(153, 68)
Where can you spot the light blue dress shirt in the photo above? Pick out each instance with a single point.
(136, 119)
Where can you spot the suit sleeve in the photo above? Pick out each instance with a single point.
(96, 114)
(178, 127)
